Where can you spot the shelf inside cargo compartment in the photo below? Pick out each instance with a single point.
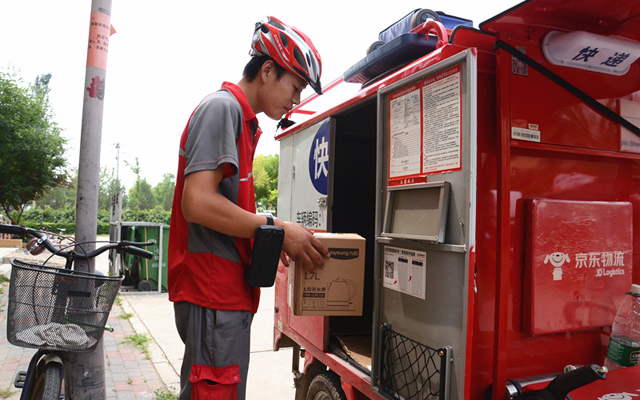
(355, 349)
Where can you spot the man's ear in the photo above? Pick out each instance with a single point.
(267, 68)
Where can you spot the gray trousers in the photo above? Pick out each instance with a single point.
(216, 355)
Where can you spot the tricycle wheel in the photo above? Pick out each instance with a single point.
(326, 386)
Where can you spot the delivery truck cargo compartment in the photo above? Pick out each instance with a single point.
(495, 179)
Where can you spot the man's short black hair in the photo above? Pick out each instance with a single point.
(255, 63)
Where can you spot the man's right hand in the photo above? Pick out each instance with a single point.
(302, 247)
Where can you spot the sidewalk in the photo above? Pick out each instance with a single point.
(129, 375)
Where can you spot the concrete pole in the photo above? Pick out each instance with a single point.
(84, 372)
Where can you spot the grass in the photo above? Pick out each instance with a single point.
(4, 393)
(165, 395)
(125, 315)
(139, 341)
(3, 279)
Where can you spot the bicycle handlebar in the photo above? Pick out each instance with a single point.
(120, 247)
(133, 249)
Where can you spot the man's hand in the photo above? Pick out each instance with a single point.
(302, 247)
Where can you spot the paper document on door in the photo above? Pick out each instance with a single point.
(405, 271)
(405, 140)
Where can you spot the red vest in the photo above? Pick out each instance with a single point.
(203, 278)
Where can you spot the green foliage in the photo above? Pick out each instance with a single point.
(31, 146)
(265, 180)
(163, 191)
(62, 197)
(139, 341)
(162, 394)
(6, 393)
(156, 214)
(141, 196)
(109, 186)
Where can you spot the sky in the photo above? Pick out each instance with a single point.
(166, 56)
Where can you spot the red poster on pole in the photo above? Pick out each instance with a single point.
(99, 32)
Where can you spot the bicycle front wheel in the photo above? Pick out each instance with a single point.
(48, 384)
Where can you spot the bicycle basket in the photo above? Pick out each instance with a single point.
(58, 309)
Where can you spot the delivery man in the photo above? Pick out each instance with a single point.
(214, 215)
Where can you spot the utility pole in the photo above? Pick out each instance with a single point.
(84, 372)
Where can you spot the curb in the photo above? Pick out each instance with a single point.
(167, 372)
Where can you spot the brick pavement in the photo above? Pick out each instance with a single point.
(129, 375)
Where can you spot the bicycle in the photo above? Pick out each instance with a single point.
(58, 240)
(58, 310)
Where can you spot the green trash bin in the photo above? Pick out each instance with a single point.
(129, 264)
(148, 276)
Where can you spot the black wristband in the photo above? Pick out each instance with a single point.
(269, 220)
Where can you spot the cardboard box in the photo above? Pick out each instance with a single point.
(336, 289)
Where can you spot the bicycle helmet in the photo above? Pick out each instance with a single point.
(290, 48)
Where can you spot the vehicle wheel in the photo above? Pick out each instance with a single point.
(374, 46)
(326, 386)
(423, 15)
(48, 384)
(144, 286)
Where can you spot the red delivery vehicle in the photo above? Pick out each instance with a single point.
(494, 175)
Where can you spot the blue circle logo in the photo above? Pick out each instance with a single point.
(319, 159)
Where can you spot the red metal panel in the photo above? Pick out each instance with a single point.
(281, 308)
(578, 264)
(503, 246)
(314, 329)
(618, 18)
(559, 116)
(571, 168)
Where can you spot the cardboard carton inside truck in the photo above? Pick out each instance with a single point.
(494, 174)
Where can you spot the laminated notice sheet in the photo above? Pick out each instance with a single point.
(425, 128)
(405, 271)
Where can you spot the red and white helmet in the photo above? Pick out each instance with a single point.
(290, 48)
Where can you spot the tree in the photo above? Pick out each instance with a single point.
(163, 191)
(140, 195)
(31, 146)
(62, 197)
(109, 186)
(265, 181)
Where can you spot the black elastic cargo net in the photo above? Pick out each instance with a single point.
(58, 309)
(410, 370)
